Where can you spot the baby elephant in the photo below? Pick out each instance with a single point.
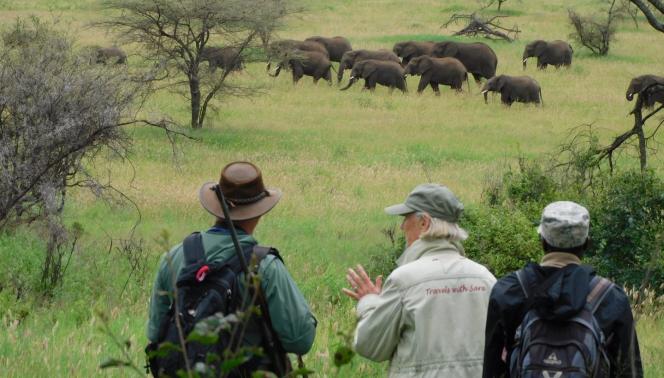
(655, 92)
(555, 53)
(514, 89)
(309, 63)
(227, 58)
(435, 71)
(389, 74)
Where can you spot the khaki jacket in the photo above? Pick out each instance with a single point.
(429, 318)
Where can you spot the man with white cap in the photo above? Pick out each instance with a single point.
(556, 295)
(241, 184)
(428, 319)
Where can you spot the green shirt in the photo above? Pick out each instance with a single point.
(291, 317)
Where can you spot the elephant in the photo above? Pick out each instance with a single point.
(350, 58)
(389, 74)
(555, 53)
(478, 58)
(112, 54)
(642, 82)
(309, 63)
(227, 58)
(278, 49)
(412, 49)
(435, 71)
(514, 89)
(335, 46)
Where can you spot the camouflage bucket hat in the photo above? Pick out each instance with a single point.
(564, 224)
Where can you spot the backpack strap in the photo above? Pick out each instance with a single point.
(193, 249)
(599, 288)
(523, 282)
(261, 251)
(256, 250)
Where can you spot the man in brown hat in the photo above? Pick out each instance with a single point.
(247, 198)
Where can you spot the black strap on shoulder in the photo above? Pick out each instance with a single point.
(256, 250)
(599, 288)
(261, 251)
(193, 249)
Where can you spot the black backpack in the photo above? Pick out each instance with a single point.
(203, 290)
(571, 348)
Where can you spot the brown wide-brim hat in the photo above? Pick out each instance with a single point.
(242, 185)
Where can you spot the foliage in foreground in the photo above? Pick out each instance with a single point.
(627, 221)
(56, 113)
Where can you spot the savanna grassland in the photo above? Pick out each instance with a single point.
(339, 157)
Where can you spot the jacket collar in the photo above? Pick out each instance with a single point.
(559, 259)
(422, 247)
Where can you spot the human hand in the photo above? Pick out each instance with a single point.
(361, 283)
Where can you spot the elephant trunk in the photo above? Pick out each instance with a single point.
(350, 82)
(340, 73)
(524, 63)
(484, 92)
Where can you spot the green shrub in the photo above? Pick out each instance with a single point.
(627, 229)
(502, 239)
(383, 260)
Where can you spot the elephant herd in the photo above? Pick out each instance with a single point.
(446, 63)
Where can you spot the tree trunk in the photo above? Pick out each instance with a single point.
(195, 92)
(642, 147)
(638, 128)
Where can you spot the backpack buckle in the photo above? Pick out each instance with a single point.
(202, 272)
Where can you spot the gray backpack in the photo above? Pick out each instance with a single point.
(571, 348)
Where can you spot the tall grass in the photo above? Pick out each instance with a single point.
(339, 157)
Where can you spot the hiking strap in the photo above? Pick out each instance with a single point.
(599, 288)
(523, 282)
(193, 249)
(194, 253)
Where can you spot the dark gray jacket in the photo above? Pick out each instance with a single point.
(507, 307)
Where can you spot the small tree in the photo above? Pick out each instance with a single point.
(56, 112)
(174, 33)
(594, 32)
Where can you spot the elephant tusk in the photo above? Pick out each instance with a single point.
(485, 91)
(524, 61)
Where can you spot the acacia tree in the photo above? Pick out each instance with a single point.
(173, 34)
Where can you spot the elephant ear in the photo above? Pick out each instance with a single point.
(451, 49)
(499, 83)
(539, 48)
(408, 50)
(368, 70)
(425, 64)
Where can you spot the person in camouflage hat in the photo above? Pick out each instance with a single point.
(561, 285)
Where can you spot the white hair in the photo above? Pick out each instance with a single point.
(440, 229)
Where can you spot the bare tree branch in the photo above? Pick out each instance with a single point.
(490, 28)
(650, 13)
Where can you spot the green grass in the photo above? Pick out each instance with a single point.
(339, 157)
